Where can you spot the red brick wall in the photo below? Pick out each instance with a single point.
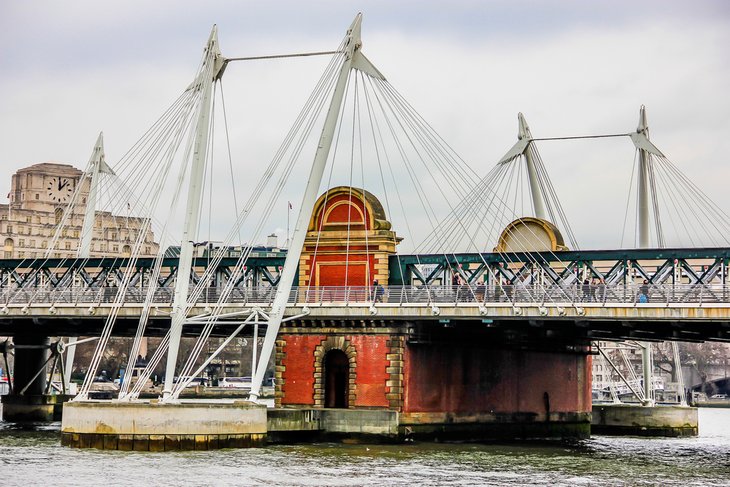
(467, 379)
(298, 374)
(588, 389)
(296, 369)
(333, 269)
(371, 373)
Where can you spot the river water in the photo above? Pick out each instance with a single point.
(35, 457)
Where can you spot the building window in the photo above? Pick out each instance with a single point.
(116, 248)
(45, 244)
(21, 242)
(37, 196)
(59, 215)
(32, 243)
(8, 248)
(68, 245)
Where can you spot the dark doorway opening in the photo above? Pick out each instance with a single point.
(336, 379)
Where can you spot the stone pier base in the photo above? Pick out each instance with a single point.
(151, 426)
(636, 420)
(495, 426)
(32, 408)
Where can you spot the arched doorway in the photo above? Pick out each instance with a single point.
(336, 379)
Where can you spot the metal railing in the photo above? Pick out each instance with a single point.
(630, 294)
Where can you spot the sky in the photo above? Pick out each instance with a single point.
(69, 70)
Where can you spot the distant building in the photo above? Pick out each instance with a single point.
(209, 249)
(38, 196)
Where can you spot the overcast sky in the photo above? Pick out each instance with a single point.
(71, 69)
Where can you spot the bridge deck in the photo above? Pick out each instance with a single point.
(681, 312)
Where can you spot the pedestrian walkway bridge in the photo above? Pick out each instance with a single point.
(685, 296)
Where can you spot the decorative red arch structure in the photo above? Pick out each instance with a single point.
(348, 240)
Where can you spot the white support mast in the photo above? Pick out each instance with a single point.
(643, 184)
(521, 148)
(353, 59)
(644, 187)
(538, 201)
(96, 166)
(208, 76)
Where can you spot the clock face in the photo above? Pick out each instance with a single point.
(60, 189)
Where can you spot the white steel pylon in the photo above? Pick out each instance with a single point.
(97, 165)
(646, 192)
(353, 59)
(538, 202)
(212, 70)
(521, 147)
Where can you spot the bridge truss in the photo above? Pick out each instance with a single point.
(673, 275)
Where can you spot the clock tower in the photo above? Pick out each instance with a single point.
(45, 187)
(39, 194)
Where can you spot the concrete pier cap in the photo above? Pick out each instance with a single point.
(639, 420)
(156, 426)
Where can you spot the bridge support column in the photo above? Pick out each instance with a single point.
(29, 401)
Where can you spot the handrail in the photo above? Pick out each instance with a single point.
(508, 295)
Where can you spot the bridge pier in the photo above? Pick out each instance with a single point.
(637, 420)
(29, 400)
(463, 383)
(157, 426)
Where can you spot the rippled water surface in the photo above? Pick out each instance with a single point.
(35, 457)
